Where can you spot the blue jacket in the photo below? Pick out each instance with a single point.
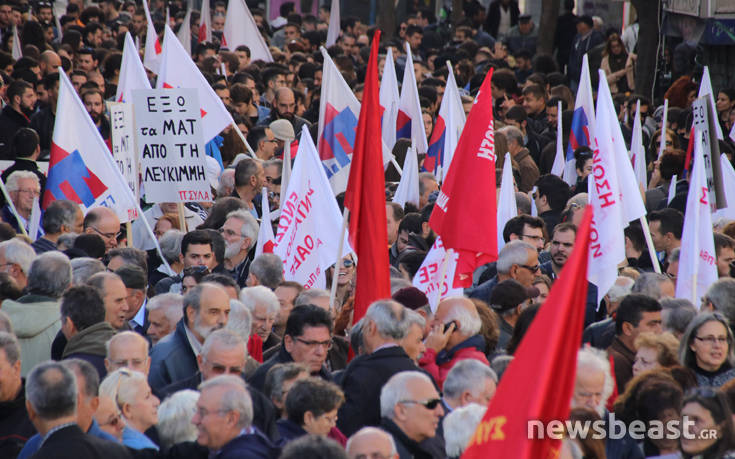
(33, 443)
(253, 446)
(137, 440)
(172, 359)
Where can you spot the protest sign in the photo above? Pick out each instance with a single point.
(123, 143)
(703, 122)
(429, 279)
(170, 147)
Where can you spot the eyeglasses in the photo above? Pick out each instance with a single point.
(533, 268)
(534, 238)
(229, 232)
(32, 192)
(348, 263)
(711, 340)
(428, 404)
(113, 421)
(106, 235)
(312, 344)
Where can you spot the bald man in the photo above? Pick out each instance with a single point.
(371, 442)
(127, 350)
(103, 222)
(455, 330)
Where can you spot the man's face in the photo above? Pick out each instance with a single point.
(218, 23)
(370, 445)
(291, 33)
(77, 81)
(95, 38)
(286, 296)
(310, 348)
(392, 224)
(271, 173)
(402, 240)
(224, 95)
(209, 419)
(232, 233)
(198, 255)
(128, 352)
(116, 304)
(28, 190)
(724, 259)
(533, 105)
(5, 12)
(650, 322)
(413, 343)
(551, 114)
(588, 390)
(263, 321)
(268, 148)
(95, 106)
(415, 40)
(416, 420)
(139, 23)
(534, 236)
(222, 360)
(486, 393)
(243, 58)
(9, 378)
(561, 247)
(286, 104)
(214, 310)
(108, 228)
(28, 101)
(85, 62)
(525, 27)
(159, 326)
(656, 236)
(430, 186)
(526, 273)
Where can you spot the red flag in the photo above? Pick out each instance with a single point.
(465, 214)
(539, 382)
(365, 197)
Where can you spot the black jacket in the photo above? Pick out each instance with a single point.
(43, 123)
(362, 381)
(264, 413)
(258, 378)
(600, 334)
(492, 20)
(252, 446)
(70, 442)
(15, 427)
(10, 122)
(407, 448)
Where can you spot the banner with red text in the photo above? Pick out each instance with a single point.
(429, 277)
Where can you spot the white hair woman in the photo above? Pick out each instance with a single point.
(174, 418)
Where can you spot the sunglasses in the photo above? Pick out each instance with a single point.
(428, 404)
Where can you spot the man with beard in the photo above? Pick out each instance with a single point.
(21, 99)
(562, 243)
(240, 232)
(206, 308)
(284, 106)
(94, 102)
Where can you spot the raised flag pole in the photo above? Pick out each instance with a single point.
(182, 218)
(649, 244)
(242, 137)
(129, 233)
(662, 143)
(337, 266)
(12, 208)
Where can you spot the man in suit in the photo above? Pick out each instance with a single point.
(51, 401)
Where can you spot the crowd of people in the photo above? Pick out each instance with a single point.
(112, 348)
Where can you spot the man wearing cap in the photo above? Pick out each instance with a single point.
(523, 36)
(586, 39)
(416, 300)
(508, 299)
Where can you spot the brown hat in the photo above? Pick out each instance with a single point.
(411, 297)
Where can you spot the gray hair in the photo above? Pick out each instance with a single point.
(170, 244)
(686, 354)
(676, 314)
(722, 296)
(9, 344)
(260, 295)
(19, 253)
(50, 274)
(5, 324)
(389, 317)
(307, 296)
(11, 184)
(275, 162)
(649, 284)
(174, 418)
(67, 240)
(236, 398)
(280, 373)
(593, 359)
(240, 319)
(249, 228)
(397, 389)
(122, 386)
(513, 253)
(460, 426)
(512, 133)
(523, 203)
(193, 298)
(499, 364)
(83, 268)
(425, 176)
(172, 305)
(226, 182)
(414, 318)
(468, 323)
(371, 430)
(617, 292)
(61, 212)
(51, 389)
(397, 283)
(268, 268)
(89, 374)
(224, 337)
(467, 375)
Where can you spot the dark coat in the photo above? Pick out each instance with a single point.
(89, 345)
(43, 123)
(492, 20)
(362, 381)
(406, 448)
(15, 427)
(264, 413)
(172, 359)
(70, 442)
(252, 446)
(623, 359)
(600, 334)
(10, 122)
(258, 379)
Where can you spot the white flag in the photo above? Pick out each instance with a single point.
(637, 152)
(583, 122)
(34, 224)
(697, 259)
(410, 122)
(240, 29)
(17, 50)
(334, 24)
(732, 132)
(309, 220)
(266, 239)
(184, 33)
(153, 49)
(607, 247)
(205, 24)
(728, 181)
(705, 88)
(672, 190)
(558, 167)
(429, 279)
(408, 187)
(507, 208)
(389, 100)
(132, 73)
(453, 117)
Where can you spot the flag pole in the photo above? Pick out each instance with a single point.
(129, 233)
(649, 243)
(12, 208)
(662, 143)
(337, 266)
(182, 218)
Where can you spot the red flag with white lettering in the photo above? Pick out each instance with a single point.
(465, 214)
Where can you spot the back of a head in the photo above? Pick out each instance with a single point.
(268, 269)
(468, 374)
(309, 296)
(313, 447)
(50, 274)
(459, 427)
(722, 295)
(649, 284)
(170, 244)
(132, 276)
(260, 296)
(25, 142)
(631, 310)
(306, 316)
(389, 318)
(51, 390)
(174, 418)
(60, 212)
(83, 305)
(100, 279)
(84, 267)
(130, 255)
(314, 395)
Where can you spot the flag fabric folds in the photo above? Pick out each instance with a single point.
(266, 239)
(408, 187)
(429, 278)
(240, 29)
(365, 198)
(637, 152)
(389, 100)
(728, 181)
(153, 49)
(539, 382)
(507, 207)
(334, 24)
(205, 24)
(558, 167)
(81, 168)
(583, 121)
(184, 33)
(465, 213)
(447, 129)
(132, 73)
(409, 122)
(697, 259)
(705, 89)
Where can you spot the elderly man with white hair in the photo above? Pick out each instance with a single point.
(174, 418)
(459, 427)
(602, 333)
(518, 260)
(240, 232)
(23, 187)
(469, 381)
(15, 260)
(266, 269)
(370, 442)
(164, 312)
(410, 410)
(455, 336)
(264, 307)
